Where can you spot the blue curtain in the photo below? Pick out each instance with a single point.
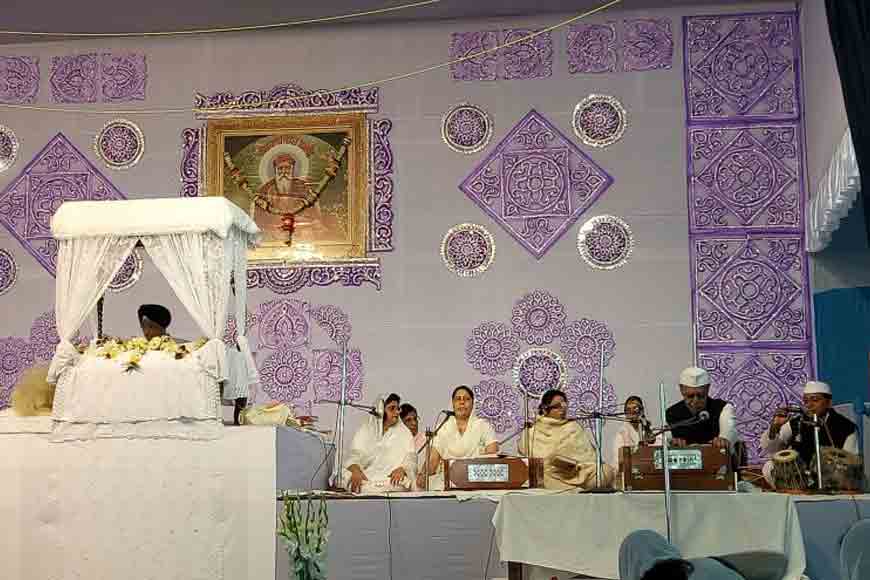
(843, 341)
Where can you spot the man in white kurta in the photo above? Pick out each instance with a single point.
(382, 456)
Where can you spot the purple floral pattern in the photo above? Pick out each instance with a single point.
(499, 404)
(526, 59)
(538, 370)
(584, 392)
(327, 374)
(605, 242)
(466, 128)
(745, 178)
(592, 48)
(599, 120)
(492, 348)
(283, 323)
(287, 98)
(742, 67)
(536, 183)
(538, 318)
(757, 382)
(285, 375)
(19, 79)
(8, 148)
(476, 66)
(8, 271)
(586, 343)
(58, 173)
(192, 141)
(120, 144)
(381, 186)
(74, 78)
(43, 336)
(123, 77)
(468, 250)
(748, 290)
(334, 322)
(16, 355)
(128, 275)
(289, 280)
(648, 44)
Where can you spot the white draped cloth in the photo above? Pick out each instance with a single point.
(198, 244)
(379, 453)
(834, 196)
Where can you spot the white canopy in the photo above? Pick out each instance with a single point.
(148, 217)
(834, 196)
(198, 244)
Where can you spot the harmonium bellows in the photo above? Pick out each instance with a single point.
(700, 468)
(493, 473)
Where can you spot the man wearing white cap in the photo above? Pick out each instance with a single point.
(837, 431)
(702, 419)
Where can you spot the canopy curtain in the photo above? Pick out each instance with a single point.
(85, 267)
(244, 367)
(834, 197)
(194, 264)
(849, 25)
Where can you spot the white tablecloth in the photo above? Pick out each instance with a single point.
(165, 397)
(581, 533)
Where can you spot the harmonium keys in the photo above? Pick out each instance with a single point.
(481, 473)
(698, 468)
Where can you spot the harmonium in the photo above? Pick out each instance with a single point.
(493, 473)
(698, 468)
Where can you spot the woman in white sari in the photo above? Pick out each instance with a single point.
(635, 428)
(564, 445)
(382, 456)
(463, 435)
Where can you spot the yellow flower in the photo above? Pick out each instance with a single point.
(199, 343)
(169, 346)
(135, 359)
(154, 343)
(115, 351)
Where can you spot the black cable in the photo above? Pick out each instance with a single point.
(325, 452)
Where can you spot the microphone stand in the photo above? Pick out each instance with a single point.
(430, 436)
(600, 417)
(666, 463)
(816, 427)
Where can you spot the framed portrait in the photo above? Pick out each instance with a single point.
(312, 166)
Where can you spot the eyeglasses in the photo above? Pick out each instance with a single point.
(694, 395)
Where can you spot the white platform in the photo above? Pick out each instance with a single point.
(145, 509)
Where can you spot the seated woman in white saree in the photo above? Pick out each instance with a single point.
(564, 445)
(463, 435)
(636, 426)
(382, 454)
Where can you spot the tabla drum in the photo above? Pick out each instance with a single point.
(842, 472)
(789, 473)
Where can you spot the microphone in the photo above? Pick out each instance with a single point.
(374, 413)
(703, 416)
(448, 413)
(699, 418)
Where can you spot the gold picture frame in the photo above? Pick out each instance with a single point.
(315, 166)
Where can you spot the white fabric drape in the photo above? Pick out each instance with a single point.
(835, 196)
(243, 368)
(194, 264)
(85, 267)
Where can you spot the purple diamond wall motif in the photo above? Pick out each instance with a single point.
(474, 68)
(592, 48)
(298, 349)
(123, 77)
(536, 183)
(529, 59)
(745, 178)
(742, 67)
(19, 79)
(752, 289)
(74, 78)
(756, 382)
(58, 173)
(648, 44)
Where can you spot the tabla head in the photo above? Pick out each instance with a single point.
(785, 456)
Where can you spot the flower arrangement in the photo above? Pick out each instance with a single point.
(304, 527)
(132, 350)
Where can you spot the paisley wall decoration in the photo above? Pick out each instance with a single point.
(120, 144)
(466, 128)
(605, 242)
(599, 120)
(468, 250)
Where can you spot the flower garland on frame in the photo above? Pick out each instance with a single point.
(304, 527)
(113, 348)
